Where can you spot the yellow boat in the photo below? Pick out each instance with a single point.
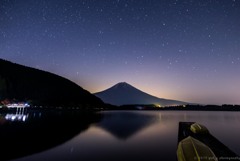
(198, 128)
(191, 149)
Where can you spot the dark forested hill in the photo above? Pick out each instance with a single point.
(22, 83)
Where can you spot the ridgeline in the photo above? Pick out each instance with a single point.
(37, 87)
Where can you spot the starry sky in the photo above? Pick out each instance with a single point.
(187, 50)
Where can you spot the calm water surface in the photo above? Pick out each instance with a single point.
(138, 135)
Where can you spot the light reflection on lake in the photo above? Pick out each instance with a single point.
(140, 135)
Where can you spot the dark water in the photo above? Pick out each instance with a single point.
(111, 136)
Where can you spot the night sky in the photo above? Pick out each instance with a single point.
(187, 50)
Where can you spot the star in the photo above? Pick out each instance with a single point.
(188, 42)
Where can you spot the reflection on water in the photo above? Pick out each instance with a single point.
(125, 124)
(140, 135)
(20, 115)
(25, 133)
(16, 117)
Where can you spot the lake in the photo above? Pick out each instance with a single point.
(109, 135)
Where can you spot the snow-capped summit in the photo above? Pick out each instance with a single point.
(121, 85)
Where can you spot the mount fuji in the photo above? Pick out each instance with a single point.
(125, 94)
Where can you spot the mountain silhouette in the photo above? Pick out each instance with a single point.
(125, 94)
(38, 87)
(113, 123)
(42, 132)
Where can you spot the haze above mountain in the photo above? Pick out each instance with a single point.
(125, 94)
